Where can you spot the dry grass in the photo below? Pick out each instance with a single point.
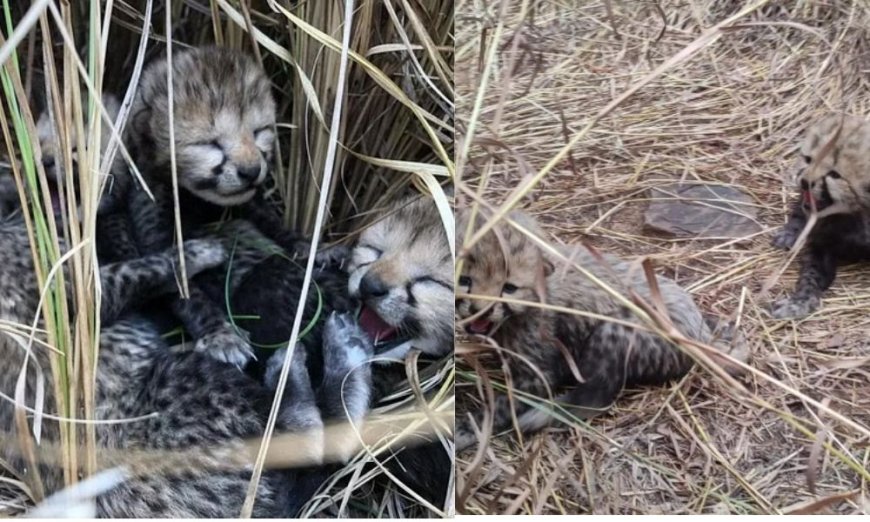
(730, 113)
(395, 130)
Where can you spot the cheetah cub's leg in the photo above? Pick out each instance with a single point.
(612, 356)
(602, 387)
(202, 318)
(345, 393)
(214, 334)
(9, 200)
(615, 356)
(524, 380)
(729, 340)
(299, 412)
(258, 213)
(786, 236)
(127, 282)
(817, 271)
(114, 239)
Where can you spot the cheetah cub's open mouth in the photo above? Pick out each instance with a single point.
(480, 326)
(822, 202)
(379, 330)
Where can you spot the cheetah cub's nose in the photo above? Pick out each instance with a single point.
(372, 286)
(249, 173)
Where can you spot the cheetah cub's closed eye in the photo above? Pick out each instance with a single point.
(608, 355)
(834, 176)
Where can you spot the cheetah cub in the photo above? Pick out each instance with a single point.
(52, 157)
(223, 114)
(400, 269)
(542, 345)
(834, 178)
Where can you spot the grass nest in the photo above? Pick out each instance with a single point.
(395, 136)
(574, 112)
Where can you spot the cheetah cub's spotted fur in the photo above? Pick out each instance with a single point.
(835, 178)
(224, 116)
(183, 401)
(608, 355)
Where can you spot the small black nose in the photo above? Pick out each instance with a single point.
(372, 286)
(805, 185)
(473, 309)
(48, 161)
(249, 173)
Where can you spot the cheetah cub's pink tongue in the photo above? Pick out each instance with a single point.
(480, 326)
(378, 329)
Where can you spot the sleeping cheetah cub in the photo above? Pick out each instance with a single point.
(114, 238)
(52, 157)
(537, 342)
(224, 116)
(834, 178)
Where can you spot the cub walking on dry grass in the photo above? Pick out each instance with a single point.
(836, 180)
(542, 345)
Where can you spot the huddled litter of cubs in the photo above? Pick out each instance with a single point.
(582, 344)
(242, 262)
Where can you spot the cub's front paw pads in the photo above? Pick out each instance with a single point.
(227, 346)
(794, 308)
(785, 238)
(202, 254)
(345, 342)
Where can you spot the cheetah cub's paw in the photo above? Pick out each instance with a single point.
(347, 351)
(334, 256)
(795, 307)
(202, 254)
(226, 345)
(785, 237)
(738, 349)
(463, 436)
(346, 345)
(730, 341)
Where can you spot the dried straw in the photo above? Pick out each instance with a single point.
(730, 112)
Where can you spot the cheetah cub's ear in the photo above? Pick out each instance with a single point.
(531, 225)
